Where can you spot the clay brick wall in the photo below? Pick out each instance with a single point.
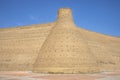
(58, 47)
(19, 47)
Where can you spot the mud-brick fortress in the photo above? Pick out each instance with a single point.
(58, 47)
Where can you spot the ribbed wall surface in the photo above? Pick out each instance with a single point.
(65, 50)
(106, 49)
(58, 47)
(19, 47)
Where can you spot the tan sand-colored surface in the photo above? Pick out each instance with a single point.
(58, 47)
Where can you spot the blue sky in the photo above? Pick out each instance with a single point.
(101, 16)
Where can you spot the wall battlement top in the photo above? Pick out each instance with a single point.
(64, 11)
(65, 18)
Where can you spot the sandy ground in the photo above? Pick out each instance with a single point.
(20, 75)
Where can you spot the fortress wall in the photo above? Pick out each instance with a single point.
(19, 46)
(106, 49)
(58, 47)
(65, 49)
(67, 53)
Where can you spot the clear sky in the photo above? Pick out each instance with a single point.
(101, 16)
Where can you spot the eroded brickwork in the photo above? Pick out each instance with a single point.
(19, 47)
(58, 47)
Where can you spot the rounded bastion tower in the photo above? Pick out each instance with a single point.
(65, 50)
